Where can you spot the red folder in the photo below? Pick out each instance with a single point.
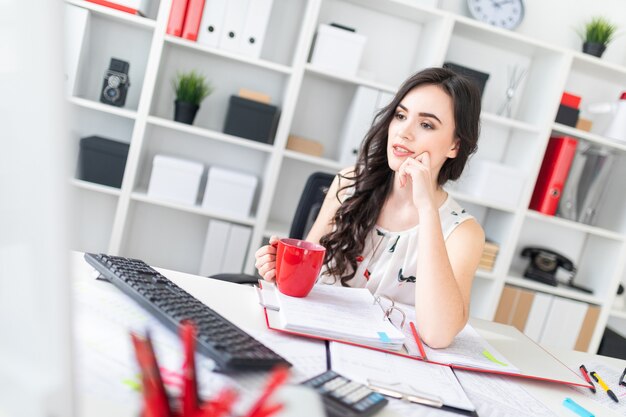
(554, 170)
(192, 19)
(177, 17)
(532, 360)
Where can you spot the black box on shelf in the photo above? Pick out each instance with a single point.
(251, 119)
(480, 78)
(102, 160)
(567, 115)
(613, 344)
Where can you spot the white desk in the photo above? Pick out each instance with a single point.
(239, 304)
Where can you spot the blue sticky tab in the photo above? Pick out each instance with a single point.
(383, 337)
(572, 405)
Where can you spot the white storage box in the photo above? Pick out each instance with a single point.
(337, 50)
(229, 192)
(175, 179)
(492, 182)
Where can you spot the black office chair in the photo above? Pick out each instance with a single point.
(308, 208)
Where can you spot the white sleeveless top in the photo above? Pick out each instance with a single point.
(389, 262)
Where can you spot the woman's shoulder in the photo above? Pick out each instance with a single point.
(344, 182)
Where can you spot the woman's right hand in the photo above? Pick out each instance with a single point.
(266, 260)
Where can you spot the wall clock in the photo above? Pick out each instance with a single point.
(507, 14)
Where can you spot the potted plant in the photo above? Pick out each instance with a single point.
(190, 88)
(597, 33)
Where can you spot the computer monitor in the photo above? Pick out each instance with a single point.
(35, 351)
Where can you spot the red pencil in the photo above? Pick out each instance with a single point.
(277, 378)
(190, 385)
(418, 341)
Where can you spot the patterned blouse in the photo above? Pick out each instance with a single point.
(389, 262)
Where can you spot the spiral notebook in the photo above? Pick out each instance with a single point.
(323, 315)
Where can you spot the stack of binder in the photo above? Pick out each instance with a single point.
(233, 25)
(586, 184)
(488, 258)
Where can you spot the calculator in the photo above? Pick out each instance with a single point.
(345, 398)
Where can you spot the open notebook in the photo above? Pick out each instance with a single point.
(323, 315)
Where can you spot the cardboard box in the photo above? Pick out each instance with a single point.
(307, 146)
(584, 124)
(337, 49)
(175, 179)
(229, 192)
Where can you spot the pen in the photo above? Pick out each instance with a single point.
(621, 378)
(190, 386)
(599, 380)
(583, 370)
(575, 407)
(418, 341)
(155, 397)
(277, 377)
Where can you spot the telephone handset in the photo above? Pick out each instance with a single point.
(544, 264)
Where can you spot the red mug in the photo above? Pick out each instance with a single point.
(298, 263)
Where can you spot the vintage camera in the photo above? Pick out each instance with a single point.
(116, 83)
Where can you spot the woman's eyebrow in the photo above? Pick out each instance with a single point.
(430, 115)
(421, 114)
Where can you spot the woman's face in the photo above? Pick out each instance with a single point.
(423, 122)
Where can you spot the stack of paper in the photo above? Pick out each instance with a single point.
(348, 314)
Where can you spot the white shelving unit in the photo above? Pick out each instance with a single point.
(402, 38)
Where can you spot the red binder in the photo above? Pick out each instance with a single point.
(192, 19)
(554, 169)
(177, 17)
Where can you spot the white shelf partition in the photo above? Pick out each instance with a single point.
(211, 134)
(195, 209)
(114, 14)
(174, 40)
(104, 108)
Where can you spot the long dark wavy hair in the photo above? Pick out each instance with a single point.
(372, 178)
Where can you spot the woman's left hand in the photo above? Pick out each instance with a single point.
(416, 173)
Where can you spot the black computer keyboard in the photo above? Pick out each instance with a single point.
(219, 339)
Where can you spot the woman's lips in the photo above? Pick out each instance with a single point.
(401, 151)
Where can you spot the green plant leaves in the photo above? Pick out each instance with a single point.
(191, 87)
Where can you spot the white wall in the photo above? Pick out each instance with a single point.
(556, 21)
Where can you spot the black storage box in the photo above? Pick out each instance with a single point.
(102, 160)
(567, 116)
(613, 344)
(480, 78)
(251, 119)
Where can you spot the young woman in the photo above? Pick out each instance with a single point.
(388, 225)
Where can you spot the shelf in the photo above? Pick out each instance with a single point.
(477, 200)
(590, 137)
(558, 291)
(618, 313)
(410, 10)
(311, 69)
(211, 134)
(314, 160)
(105, 108)
(484, 274)
(111, 13)
(229, 55)
(502, 38)
(276, 229)
(91, 186)
(195, 209)
(594, 65)
(506, 122)
(575, 225)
